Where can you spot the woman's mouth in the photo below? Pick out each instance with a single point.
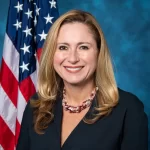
(73, 69)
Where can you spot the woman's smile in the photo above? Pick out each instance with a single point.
(73, 69)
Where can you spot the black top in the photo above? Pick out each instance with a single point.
(126, 128)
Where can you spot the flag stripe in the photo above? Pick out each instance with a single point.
(12, 91)
(20, 106)
(1, 148)
(11, 56)
(7, 136)
(8, 115)
(17, 131)
(33, 77)
(39, 51)
(27, 92)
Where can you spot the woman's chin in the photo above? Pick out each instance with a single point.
(74, 82)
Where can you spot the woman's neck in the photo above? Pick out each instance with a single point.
(76, 94)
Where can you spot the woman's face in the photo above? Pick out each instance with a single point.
(75, 59)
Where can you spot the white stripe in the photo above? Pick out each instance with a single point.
(20, 106)
(1, 148)
(37, 65)
(33, 77)
(8, 111)
(11, 56)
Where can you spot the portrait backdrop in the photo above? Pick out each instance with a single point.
(126, 26)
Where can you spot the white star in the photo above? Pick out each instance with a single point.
(48, 19)
(18, 24)
(25, 48)
(24, 67)
(19, 7)
(35, 21)
(34, 3)
(28, 31)
(43, 36)
(37, 11)
(35, 38)
(29, 14)
(53, 3)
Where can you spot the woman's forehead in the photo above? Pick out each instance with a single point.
(74, 32)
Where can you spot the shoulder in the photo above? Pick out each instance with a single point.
(130, 101)
(135, 122)
(133, 110)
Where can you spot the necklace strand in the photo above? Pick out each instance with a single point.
(78, 109)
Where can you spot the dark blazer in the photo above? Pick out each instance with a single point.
(126, 128)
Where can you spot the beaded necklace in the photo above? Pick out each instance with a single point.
(78, 109)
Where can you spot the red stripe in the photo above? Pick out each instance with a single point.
(27, 88)
(17, 131)
(9, 83)
(39, 51)
(7, 139)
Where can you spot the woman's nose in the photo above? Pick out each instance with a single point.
(73, 56)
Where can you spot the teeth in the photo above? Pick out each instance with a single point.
(73, 68)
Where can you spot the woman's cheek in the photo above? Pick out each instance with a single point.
(59, 58)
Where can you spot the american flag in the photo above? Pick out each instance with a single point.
(27, 26)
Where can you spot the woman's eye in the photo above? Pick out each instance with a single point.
(62, 47)
(84, 47)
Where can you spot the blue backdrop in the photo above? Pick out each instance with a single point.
(126, 26)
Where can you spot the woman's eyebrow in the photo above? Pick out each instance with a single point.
(84, 43)
(65, 43)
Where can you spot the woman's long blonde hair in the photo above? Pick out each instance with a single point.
(49, 82)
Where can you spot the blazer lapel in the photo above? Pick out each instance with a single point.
(58, 120)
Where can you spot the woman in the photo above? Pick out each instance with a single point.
(78, 105)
